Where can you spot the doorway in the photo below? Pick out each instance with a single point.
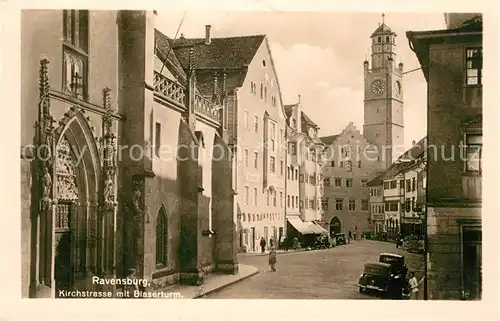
(335, 225)
(471, 262)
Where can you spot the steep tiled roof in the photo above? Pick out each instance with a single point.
(383, 29)
(232, 52)
(415, 151)
(306, 120)
(327, 140)
(377, 181)
(395, 169)
(162, 44)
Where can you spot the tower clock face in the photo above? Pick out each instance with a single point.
(397, 88)
(378, 87)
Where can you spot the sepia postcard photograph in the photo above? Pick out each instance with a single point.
(242, 154)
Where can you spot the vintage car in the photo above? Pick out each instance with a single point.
(414, 245)
(322, 242)
(380, 277)
(376, 276)
(397, 262)
(340, 239)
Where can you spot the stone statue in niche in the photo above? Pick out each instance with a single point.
(137, 203)
(47, 187)
(109, 190)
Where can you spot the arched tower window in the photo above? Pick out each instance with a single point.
(387, 39)
(379, 39)
(261, 91)
(161, 238)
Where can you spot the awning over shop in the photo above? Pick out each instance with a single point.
(306, 227)
(301, 226)
(317, 229)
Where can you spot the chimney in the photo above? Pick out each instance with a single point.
(182, 37)
(208, 39)
(413, 142)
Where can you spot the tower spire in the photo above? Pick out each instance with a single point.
(383, 18)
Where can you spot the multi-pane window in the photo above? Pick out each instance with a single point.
(268, 199)
(474, 144)
(364, 182)
(282, 168)
(394, 184)
(474, 66)
(387, 185)
(391, 206)
(364, 205)
(348, 182)
(161, 238)
(256, 124)
(294, 148)
(339, 203)
(408, 205)
(332, 164)
(255, 160)
(281, 199)
(288, 200)
(75, 66)
(272, 164)
(413, 184)
(352, 205)
(245, 157)
(408, 185)
(338, 182)
(326, 181)
(255, 196)
(324, 203)
(274, 199)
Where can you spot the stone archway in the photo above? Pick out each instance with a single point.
(78, 247)
(335, 225)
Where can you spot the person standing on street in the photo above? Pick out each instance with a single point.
(272, 259)
(262, 244)
(414, 284)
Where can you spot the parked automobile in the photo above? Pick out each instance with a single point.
(380, 277)
(397, 263)
(382, 236)
(414, 245)
(322, 242)
(340, 239)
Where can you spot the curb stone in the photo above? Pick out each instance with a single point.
(198, 296)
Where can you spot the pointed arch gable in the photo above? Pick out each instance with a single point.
(76, 129)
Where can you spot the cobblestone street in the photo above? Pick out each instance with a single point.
(320, 274)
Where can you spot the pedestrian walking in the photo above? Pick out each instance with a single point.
(131, 288)
(414, 284)
(272, 259)
(262, 244)
(271, 242)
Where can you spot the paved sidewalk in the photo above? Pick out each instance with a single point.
(267, 252)
(214, 282)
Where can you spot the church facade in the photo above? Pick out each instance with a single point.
(118, 157)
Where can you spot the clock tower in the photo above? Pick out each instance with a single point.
(383, 103)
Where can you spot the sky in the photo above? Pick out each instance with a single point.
(319, 56)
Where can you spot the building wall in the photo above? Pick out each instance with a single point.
(350, 137)
(453, 195)
(445, 263)
(262, 216)
(376, 207)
